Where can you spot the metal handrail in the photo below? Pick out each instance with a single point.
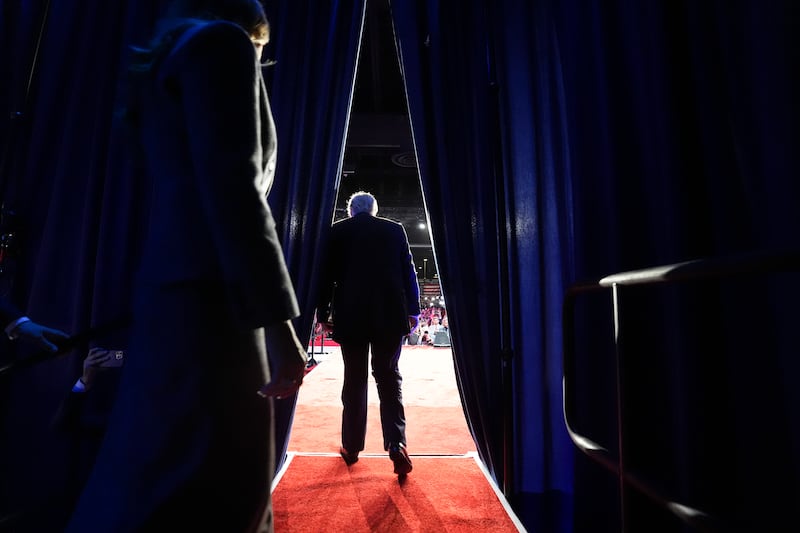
(713, 268)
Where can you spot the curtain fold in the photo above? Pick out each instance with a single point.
(311, 88)
(677, 153)
(444, 66)
(488, 116)
(561, 141)
(535, 154)
(77, 205)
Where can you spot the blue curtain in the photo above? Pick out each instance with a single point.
(563, 140)
(488, 113)
(311, 88)
(79, 214)
(683, 135)
(81, 203)
(449, 98)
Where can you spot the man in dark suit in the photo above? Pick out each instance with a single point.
(369, 299)
(17, 325)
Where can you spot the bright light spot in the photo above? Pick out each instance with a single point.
(422, 225)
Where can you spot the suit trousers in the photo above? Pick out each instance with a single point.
(385, 358)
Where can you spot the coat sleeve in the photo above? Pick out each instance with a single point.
(219, 88)
(411, 288)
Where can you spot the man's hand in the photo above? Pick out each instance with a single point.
(45, 337)
(97, 356)
(289, 361)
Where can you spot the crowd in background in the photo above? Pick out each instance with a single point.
(432, 320)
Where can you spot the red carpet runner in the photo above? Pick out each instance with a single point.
(447, 490)
(442, 494)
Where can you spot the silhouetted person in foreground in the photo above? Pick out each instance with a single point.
(190, 443)
(369, 299)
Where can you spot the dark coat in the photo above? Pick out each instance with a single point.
(210, 144)
(369, 279)
(189, 444)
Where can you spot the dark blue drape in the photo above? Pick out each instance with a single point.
(82, 202)
(488, 116)
(683, 136)
(79, 207)
(559, 141)
(311, 87)
(445, 69)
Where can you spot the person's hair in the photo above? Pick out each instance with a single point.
(180, 14)
(362, 202)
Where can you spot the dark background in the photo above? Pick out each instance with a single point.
(379, 154)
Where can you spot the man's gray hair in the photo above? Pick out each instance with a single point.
(362, 202)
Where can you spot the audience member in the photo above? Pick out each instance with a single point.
(425, 338)
(434, 326)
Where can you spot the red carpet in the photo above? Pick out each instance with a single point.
(441, 494)
(446, 491)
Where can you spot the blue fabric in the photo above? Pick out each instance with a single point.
(559, 141)
(79, 210)
(443, 59)
(488, 116)
(310, 89)
(681, 119)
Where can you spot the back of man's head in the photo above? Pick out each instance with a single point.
(362, 202)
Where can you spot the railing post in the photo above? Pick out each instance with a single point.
(618, 364)
(697, 270)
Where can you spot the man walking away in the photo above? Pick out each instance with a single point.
(369, 300)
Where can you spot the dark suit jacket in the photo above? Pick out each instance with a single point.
(369, 279)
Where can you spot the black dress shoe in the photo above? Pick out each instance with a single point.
(400, 458)
(349, 458)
